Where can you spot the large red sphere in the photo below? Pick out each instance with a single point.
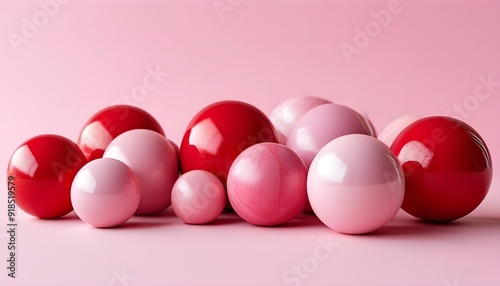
(110, 122)
(41, 172)
(219, 133)
(447, 168)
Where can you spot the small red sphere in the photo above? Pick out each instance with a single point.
(110, 122)
(219, 133)
(447, 168)
(41, 172)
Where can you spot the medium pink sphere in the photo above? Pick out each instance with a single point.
(355, 184)
(266, 184)
(155, 163)
(321, 125)
(392, 130)
(287, 113)
(198, 197)
(105, 193)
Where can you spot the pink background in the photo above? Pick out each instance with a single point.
(426, 60)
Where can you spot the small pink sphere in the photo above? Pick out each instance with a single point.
(322, 124)
(198, 197)
(266, 184)
(155, 163)
(287, 113)
(355, 184)
(392, 130)
(105, 193)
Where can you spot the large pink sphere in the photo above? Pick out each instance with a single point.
(287, 113)
(321, 125)
(105, 193)
(267, 184)
(198, 197)
(392, 130)
(154, 161)
(355, 184)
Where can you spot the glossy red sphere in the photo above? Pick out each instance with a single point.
(219, 133)
(43, 169)
(447, 168)
(110, 122)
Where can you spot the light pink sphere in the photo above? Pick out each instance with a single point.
(266, 184)
(288, 112)
(105, 193)
(392, 130)
(355, 184)
(321, 125)
(155, 163)
(198, 197)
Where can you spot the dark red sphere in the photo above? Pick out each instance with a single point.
(40, 174)
(219, 133)
(110, 122)
(447, 168)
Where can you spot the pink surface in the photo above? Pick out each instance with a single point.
(172, 58)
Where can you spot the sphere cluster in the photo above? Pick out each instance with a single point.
(309, 155)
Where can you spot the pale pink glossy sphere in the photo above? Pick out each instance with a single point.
(392, 130)
(319, 126)
(287, 113)
(266, 184)
(355, 184)
(155, 163)
(105, 193)
(198, 197)
(322, 124)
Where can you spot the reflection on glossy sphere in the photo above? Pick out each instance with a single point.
(447, 168)
(105, 193)
(355, 184)
(287, 113)
(267, 184)
(219, 133)
(155, 163)
(43, 169)
(110, 122)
